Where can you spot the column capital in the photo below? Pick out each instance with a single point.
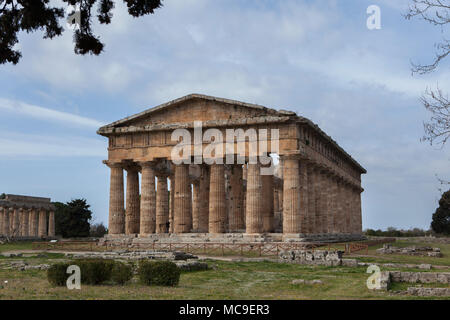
(146, 164)
(113, 164)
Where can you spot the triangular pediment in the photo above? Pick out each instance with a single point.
(196, 107)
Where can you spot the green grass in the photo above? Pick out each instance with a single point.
(228, 280)
(21, 245)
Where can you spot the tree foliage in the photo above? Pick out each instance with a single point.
(33, 15)
(437, 13)
(441, 218)
(72, 218)
(98, 230)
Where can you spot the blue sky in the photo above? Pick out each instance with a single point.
(316, 58)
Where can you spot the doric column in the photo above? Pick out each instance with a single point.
(291, 195)
(349, 209)
(268, 212)
(116, 224)
(35, 217)
(203, 215)
(24, 223)
(314, 213)
(42, 223)
(236, 219)
(254, 210)
(303, 194)
(30, 222)
(148, 199)
(183, 203)
(335, 202)
(5, 224)
(6, 219)
(323, 201)
(329, 202)
(132, 212)
(51, 223)
(162, 204)
(358, 212)
(16, 223)
(171, 202)
(196, 203)
(2, 210)
(217, 200)
(340, 205)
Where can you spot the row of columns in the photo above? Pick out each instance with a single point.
(24, 222)
(311, 200)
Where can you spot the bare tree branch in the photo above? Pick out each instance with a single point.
(437, 130)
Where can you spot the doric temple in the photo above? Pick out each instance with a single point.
(26, 217)
(315, 188)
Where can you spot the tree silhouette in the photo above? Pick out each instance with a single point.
(33, 15)
(441, 218)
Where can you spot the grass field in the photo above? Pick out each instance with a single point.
(225, 280)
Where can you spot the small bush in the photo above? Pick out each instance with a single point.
(159, 273)
(121, 273)
(57, 274)
(95, 271)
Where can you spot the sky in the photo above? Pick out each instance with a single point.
(317, 58)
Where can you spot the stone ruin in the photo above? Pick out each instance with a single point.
(411, 251)
(312, 257)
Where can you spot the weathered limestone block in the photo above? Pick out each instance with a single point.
(429, 292)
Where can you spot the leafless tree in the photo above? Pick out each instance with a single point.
(435, 12)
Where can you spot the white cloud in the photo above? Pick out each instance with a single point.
(20, 145)
(42, 113)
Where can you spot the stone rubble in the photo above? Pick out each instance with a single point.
(412, 251)
(429, 292)
(316, 257)
(303, 281)
(133, 255)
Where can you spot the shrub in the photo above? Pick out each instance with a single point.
(57, 274)
(95, 271)
(159, 273)
(121, 273)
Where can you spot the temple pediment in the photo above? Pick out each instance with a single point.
(196, 107)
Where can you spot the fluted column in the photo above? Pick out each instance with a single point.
(217, 200)
(183, 202)
(349, 209)
(268, 212)
(51, 223)
(313, 214)
(323, 202)
(335, 203)
(1, 220)
(171, 202)
(16, 223)
(24, 223)
(132, 212)
(5, 225)
(162, 205)
(254, 201)
(236, 220)
(329, 202)
(196, 203)
(116, 223)
(203, 215)
(35, 222)
(358, 212)
(291, 195)
(42, 223)
(303, 194)
(148, 200)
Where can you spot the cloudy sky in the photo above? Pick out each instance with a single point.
(316, 58)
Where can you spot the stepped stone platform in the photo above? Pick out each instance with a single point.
(232, 238)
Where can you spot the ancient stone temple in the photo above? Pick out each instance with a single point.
(193, 168)
(26, 217)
